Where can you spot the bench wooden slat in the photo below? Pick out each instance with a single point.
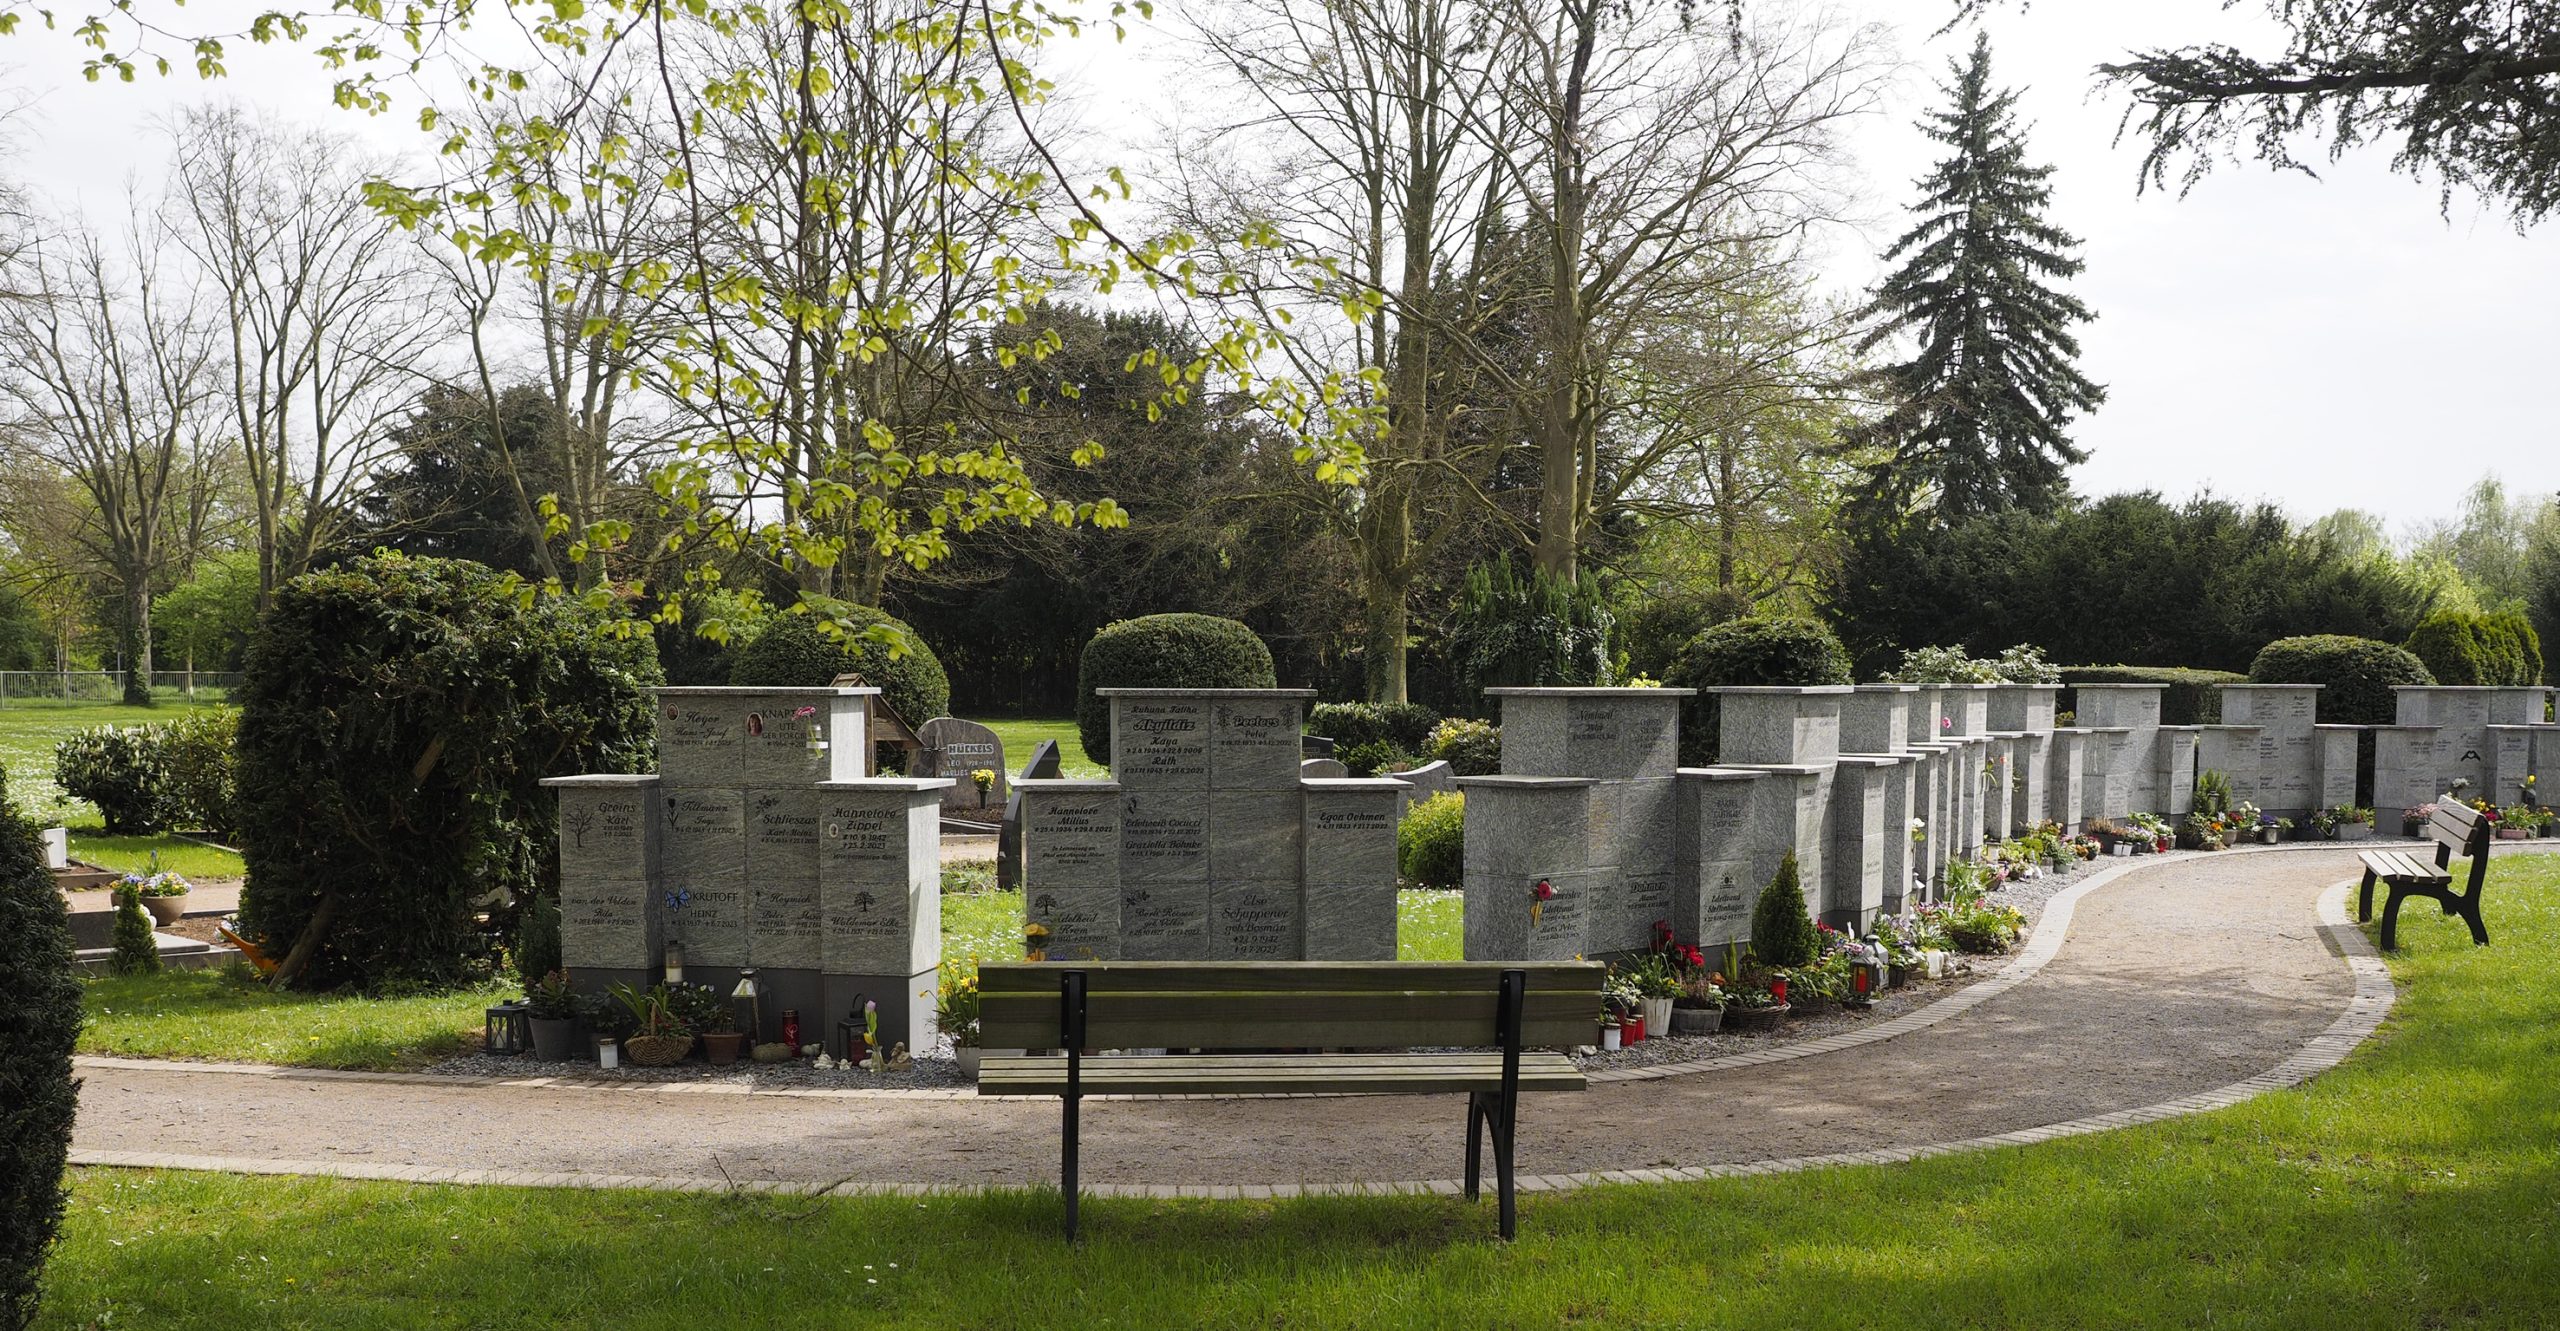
(1416, 1075)
(1366, 1005)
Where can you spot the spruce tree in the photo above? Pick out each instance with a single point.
(1782, 929)
(1975, 418)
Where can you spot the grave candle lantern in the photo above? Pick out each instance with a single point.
(506, 1029)
(675, 962)
(748, 1005)
(608, 1053)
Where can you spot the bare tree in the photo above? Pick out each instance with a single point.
(325, 311)
(112, 376)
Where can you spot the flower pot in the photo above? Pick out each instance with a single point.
(1755, 1020)
(1696, 1020)
(2123, 849)
(657, 1051)
(967, 1057)
(1657, 1016)
(2504, 834)
(554, 1038)
(723, 1047)
(2267, 836)
(166, 911)
(2355, 831)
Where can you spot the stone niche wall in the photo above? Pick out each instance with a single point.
(1207, 844)
(2461, 746)
(759, 844)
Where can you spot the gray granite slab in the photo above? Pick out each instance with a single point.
(1255, 743)
(1255, 834)
(1070, 834)
(1164, 837)
(1164, 921)
(1261, 919)
(1160, 741)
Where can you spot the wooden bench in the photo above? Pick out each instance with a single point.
(1501, 1023)
(2457, 830)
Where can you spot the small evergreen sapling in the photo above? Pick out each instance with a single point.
(137, 952)
(1782, 932)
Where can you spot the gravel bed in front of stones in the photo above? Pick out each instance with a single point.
(934, 1071)
(2028, 895)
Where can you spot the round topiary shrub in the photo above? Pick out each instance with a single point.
(2461, 647)
(121, 769)
(2355, 675)
(38, 1095)
(1782, 930)
(398, 716)
(1164, 652)
(797, 651)
(1755, 651)
(1404, 726)
(1431, 844)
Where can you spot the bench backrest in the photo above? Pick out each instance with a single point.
(2459, 831)
(1288, 1004)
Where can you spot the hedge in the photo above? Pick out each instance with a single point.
(2355, 675)
(1405, 726)
(1757, 650)
(122, 770)
(1164, 652)
(1470, 747)
(38, 1096)
(398, 718)
(2190, 698)
(795, 651)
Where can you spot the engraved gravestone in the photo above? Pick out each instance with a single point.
(610, 916)
(1350, 859)
(957, 750)
(880, 903)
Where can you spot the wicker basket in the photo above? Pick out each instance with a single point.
(657, 1051)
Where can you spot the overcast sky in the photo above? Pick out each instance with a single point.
(2323, 343)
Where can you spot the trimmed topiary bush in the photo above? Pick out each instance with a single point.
(2187, 698)
(2355, 675)
(1375, 758)
(1164, 652)
(136, 951)
(398, 718)
(1406, 726)
(1754, 651)
(797, 651)
(40, 1009)
(199, 753)
(1782, 929)
(1431, 849)
(1470, 747)
(2461, 647)
(119, 769)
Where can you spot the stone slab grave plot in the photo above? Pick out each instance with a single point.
(2461, 716)
(749, 851)
(1211, 842)
(2289, 748)
(952, 748)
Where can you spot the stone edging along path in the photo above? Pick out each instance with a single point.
(2364, 1010)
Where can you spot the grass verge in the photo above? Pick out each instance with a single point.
(228, 1017)
(28, 732)
(2418, 1185)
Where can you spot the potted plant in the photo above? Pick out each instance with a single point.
(659, 1037)
(984, 778)
(2515, 823)
(553, 1013)
(956, 1015)
(1657, 987)
(163, 892)
(1754, 1010)
(1699, 1009)
(713, 1021)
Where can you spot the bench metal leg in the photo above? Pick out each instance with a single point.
(2364, 898)
(2391, 920)
(1503, 1122)
(1067, 1160)
(1475, 1142)
(2470, 913)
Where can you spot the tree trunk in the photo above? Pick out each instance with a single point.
(137, 677)
(1386, 584)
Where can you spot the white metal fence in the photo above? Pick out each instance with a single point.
(37, 688)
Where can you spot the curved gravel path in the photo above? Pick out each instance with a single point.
(2173, 983)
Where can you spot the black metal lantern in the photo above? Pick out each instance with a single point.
(507, 1028)
(747, 1004)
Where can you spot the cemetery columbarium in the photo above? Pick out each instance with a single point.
(763, 843)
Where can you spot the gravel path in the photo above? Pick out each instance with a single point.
(2179, 977)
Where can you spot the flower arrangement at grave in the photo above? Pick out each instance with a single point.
(1973, 923)
(660, 1036)
(958, 1007)
(1035, 942)
(1539, 895)
(984, 778)
(1700, 991)
(2202, 831)
(2153, 831)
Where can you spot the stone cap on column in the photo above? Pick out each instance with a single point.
(1585, 691)
(1884, 688)
(1876, 761)
(1381, 784)
(1779, 769)
(1516, 782)
(746, 690)
(603, 780)
(1805, 690)
(2226, 688)
(911, 784)
(1204, 693)
(1720, 773)
(1093, 785)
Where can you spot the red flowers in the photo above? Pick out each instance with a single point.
(1544, 891)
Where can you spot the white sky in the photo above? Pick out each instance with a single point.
(2325, 344)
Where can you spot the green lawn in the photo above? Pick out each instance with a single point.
(134, 854)
(28, 732)
(2419, 1185)
(228, 1017)
(1022, 734)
